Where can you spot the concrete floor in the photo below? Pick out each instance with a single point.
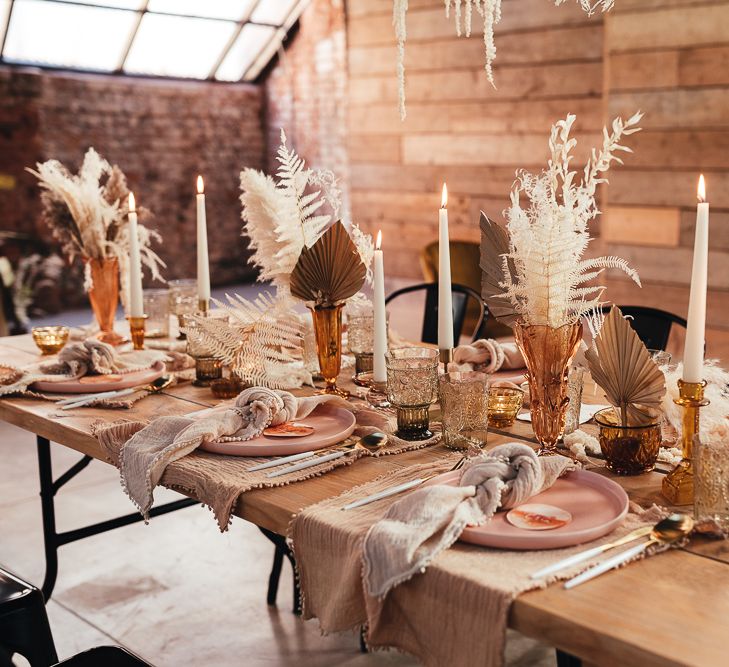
(177, 592)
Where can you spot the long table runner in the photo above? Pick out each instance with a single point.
(219, 481)
(455, 613)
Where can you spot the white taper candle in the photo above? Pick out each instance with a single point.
(203, 266)
(136, 304)
(445, 298)
(379, 372)
(693, 351)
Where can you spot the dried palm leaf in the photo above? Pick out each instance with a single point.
(330, 271)
(494, 261)
(623, 368)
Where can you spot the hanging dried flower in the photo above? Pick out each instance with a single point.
(490, 11)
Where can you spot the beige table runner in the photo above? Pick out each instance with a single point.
(219, 481)
(454, 614)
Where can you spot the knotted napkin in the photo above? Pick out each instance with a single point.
(488, 356)
(90, 357)
(429, 520)
(149, 451)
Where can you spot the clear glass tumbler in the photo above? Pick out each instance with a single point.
(464, 404)
(711, 480)
(575, 382)
(157, 310)
(361, 340)
(183, 299)
(412, 387)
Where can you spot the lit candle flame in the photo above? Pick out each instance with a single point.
(444, 197)
(132, 203)
(200, 185)
(378, 244)
(701, 193)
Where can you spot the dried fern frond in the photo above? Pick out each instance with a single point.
(261, 342)
(329, 272)
(544, 274)
(285, 216)
(623, 368)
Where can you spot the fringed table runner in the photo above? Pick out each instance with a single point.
(220, 482)
(455, 613)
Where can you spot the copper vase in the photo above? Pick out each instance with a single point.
(104, 297)
(328, 334)
(548, 352)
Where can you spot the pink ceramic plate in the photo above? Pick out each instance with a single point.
(597, 504)
(331, 425)
(122, 381)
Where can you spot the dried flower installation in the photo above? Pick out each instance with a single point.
(88, 215)
(330, 271)
(285, 216)
(623, 368)
(490, 12)
(261, 342)
(544, 273)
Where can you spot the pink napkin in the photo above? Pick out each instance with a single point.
(488, 356)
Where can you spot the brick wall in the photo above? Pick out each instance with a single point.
(161, 133)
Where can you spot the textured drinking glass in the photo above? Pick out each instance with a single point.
(464, 406)
(183, 299)
(157, 310)
(504, 405)
(575, 382)
(661, 357)
(628, 450)
(361, 340)
(50, 339)
(412, 386)
(711, 481)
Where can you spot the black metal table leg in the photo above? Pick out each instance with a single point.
(281, 550)
(52, 539)
(567, 659)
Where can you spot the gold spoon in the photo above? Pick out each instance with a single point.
(670, 530)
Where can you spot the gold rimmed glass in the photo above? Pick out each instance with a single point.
(50, 339)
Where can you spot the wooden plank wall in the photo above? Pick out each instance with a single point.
(459, 129)
(670, 58)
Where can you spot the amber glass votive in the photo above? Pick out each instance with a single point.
(628, 450)
(207, 369)
(504, 405)
(226, 387)
(50, 339)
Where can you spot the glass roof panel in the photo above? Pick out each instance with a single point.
(233, 10)
(121, 4)
(4, 8)
(268, 52)
(274, 12)
(250, 42)
(177, 46)
(65, 35)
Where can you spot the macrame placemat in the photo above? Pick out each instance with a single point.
(220, 482)
(455, 613)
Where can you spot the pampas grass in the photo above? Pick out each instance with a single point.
(88, 214)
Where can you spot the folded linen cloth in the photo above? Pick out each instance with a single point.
(487, 355)
(90, 357)
(429, 520)
(146, 455)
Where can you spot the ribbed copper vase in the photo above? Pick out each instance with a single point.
(548, 352)
(104, 297)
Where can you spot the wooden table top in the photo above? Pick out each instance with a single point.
(672, 609)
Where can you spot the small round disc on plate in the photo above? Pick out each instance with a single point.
(98, 379)
(288, 430)
(537, 516)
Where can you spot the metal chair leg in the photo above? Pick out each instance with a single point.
(567, 659)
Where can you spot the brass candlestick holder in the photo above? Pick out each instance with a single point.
(203, 306)
(678, 485)
(136, 329)
(446, 356)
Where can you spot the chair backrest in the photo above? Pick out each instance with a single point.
(652, 325)
(461, 296)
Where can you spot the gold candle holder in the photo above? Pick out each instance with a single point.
(136, 329)
(678, 485)
(446, 356)
(203, 306)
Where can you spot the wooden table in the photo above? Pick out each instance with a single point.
(669, 610)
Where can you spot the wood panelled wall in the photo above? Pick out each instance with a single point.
(458, 128)
(670, 58)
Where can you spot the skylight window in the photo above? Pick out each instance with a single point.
(226, 40)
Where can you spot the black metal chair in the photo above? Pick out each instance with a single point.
(461, 296)
(652, 325)
(24, 627)
(106, 656)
